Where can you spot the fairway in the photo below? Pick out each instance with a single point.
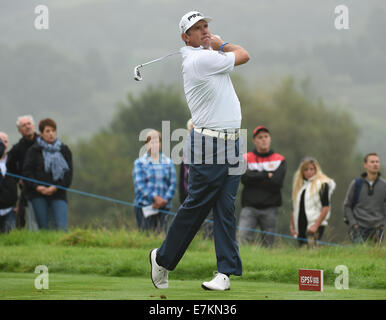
(20, 286)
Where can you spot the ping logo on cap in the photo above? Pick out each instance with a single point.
(194, 15)
(190, 18)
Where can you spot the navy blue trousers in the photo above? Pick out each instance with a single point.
(209, 187)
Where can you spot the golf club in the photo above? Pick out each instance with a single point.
(137, 74)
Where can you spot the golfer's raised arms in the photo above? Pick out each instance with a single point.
(241, 55)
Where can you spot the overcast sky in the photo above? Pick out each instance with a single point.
(284, 37)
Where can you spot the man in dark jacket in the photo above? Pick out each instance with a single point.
(16, 156)
(364, 206)
(8, 190)
(261, 196)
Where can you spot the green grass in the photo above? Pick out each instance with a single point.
(102, 264)
(65, 286)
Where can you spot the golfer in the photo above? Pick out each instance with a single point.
(216, 115)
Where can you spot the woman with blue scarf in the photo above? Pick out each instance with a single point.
(48, 161)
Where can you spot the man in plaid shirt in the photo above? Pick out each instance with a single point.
(155, 183)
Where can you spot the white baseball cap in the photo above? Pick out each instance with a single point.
(189, 19)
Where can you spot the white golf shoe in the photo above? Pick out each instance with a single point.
(220, 282)
(158, 274)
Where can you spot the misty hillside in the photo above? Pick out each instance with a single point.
(79, 69)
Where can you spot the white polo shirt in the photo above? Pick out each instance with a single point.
(209, 91)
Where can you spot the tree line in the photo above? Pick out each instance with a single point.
(300, 124)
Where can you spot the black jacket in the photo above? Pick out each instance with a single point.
(34, 168)
(260, 191)
(17, 155)
(8, 192)
(2, 148)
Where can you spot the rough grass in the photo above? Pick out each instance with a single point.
(125, 253)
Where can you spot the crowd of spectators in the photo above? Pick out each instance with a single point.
(40, 165)
(33, 194)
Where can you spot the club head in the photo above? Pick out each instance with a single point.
(137, 74)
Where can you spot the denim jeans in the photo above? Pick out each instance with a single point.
(8, 222)
(266, 219)
(45, 208)
(361, 234)
(157, 223)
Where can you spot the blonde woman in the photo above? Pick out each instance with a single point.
(311, 197)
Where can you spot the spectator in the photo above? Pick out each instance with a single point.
(364, 205)
(261, 196)
(155, 184)
(48, 161)
(26, 127)
(311, 198)
(8, 191)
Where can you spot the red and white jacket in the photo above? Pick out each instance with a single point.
(260, 191)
